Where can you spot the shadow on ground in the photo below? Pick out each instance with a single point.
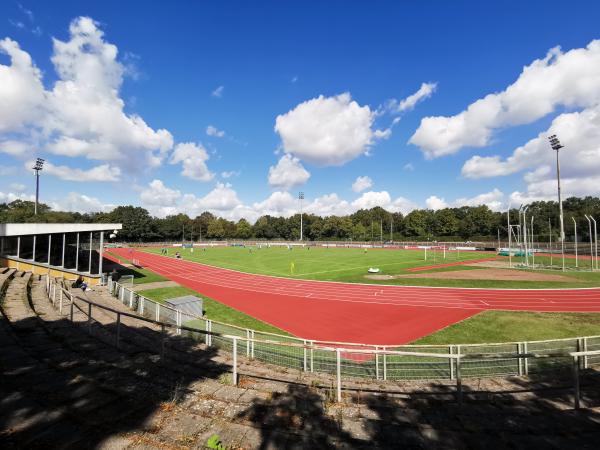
(62, 388)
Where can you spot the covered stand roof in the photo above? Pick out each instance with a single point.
(21, 229)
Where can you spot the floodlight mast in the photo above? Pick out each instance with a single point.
(588, 218)
(556, 145)
(39, 164)
(300, 198)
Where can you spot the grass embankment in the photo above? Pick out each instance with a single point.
(213, 309)
(140, 275)
(511, 326)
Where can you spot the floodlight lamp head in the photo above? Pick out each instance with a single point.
(39, 164)
(301, 195)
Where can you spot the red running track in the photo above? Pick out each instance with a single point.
(349, 312)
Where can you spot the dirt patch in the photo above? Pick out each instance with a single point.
(487, 274)
(492, 270)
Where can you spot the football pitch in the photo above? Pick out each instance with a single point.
(321, 263)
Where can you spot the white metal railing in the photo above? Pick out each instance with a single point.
(60, 297)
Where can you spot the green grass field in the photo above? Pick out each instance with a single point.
(351, 265)
(213, 309)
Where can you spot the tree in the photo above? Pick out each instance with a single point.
(215, 230)
(243, 230)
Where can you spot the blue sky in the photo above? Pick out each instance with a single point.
(330, 70)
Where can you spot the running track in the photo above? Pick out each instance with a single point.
(347, 312)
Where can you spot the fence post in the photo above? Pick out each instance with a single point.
(525, 360)
(89, 318)
(158, 312)
(207, 336)
(252, 345)
(451, 352)
(247, 343)
(141, 305)
(376, 362)
(384, 363)
(312, 343)
(234, 373)
(130, 299)
(339, 375)
(585, 349)
(576, 380)
(118, 329)
(305, 365)
(519, 347)
(459, 391)
(71, 313)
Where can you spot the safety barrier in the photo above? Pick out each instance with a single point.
(316, 356)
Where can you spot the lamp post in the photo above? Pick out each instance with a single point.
(39, 164)
(300, 198)
(556, 145)
(575, 227)
(596, 240)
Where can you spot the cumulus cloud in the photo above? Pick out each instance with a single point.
(560, 79)
(362, 183)
(74, 201)
(157, 194)
(193, 159)
(7, 197)
(435, 203)
(214, 131)
(82, 115)
(328, 131)
(103, 172)
(288, 173)
(383, 199)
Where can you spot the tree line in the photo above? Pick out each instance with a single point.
(375, 224)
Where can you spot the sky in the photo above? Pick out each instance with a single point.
(236, 107)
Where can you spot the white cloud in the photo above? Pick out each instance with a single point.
(362, 183)
(425, 91)
(19, 187)
(230, 174)
(77, 202)
(157, 194)
(279, 203)
(288, 173)
(408, 167)
(103, 172)
(15, 148)
(329, 205)
(215, 132)
(8, 170)
(82, 116)
(193, 159)
(218, 92)
(383, 199)
(493, 200)
(328, 131)
(7, 197)
(435, 203)
(560, 79)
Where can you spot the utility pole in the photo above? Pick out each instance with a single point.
(39, 164)
(381, 231)
(392, 229)
(300, 198)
